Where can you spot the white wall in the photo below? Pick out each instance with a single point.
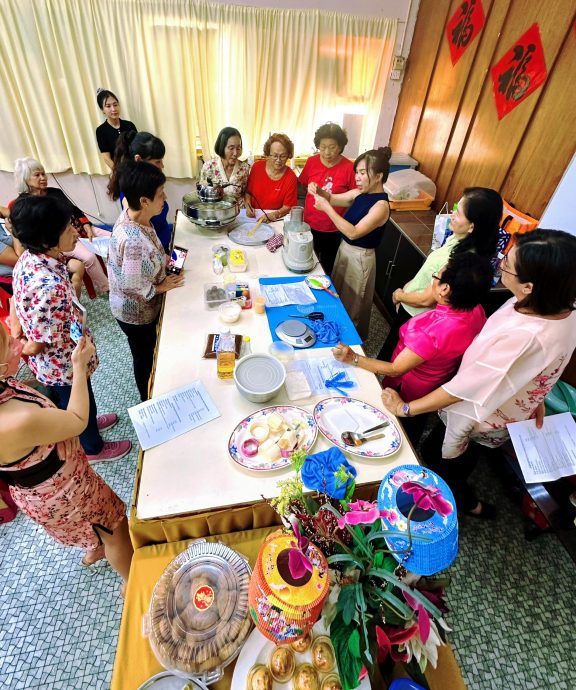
(560, 214)
(89, 192)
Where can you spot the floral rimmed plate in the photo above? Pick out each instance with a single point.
(295, 418)
(335, 415)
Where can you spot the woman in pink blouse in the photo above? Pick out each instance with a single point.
(137, 265)
(510, 367)
(431, 344)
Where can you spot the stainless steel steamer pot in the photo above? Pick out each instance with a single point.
(211, 214)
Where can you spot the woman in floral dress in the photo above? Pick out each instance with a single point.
(226, 168)
(509, 368)
(43, 462)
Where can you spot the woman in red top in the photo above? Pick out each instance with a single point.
(272, 185)
(333, 173)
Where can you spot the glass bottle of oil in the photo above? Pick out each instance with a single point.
(226, 355)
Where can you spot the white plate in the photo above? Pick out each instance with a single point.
(335, 415)
(249, 235)
(323, 280)
(257, 650)
(292, 415)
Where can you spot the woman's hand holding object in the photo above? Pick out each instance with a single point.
(83, 353)
(343, 353)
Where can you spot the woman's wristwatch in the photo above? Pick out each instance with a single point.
(406, 409)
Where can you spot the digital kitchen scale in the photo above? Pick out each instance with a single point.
(296, 333)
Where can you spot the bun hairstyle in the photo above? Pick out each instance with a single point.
(102, 95)
(129, 145)
(377, 161)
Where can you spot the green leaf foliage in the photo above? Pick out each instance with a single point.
(346, 642)
(347, 603)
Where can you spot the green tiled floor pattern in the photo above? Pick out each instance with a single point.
(512, 601)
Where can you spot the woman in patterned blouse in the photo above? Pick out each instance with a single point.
(44, 305)
(137, 265)
(227, 168)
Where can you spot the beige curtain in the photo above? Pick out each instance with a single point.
(182, 70)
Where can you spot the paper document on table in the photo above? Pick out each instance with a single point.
(548, 453)
(279, 295)
(170, 415)
(318, 370)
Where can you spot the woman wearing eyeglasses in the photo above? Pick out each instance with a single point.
(431, 345)
(474, 226)
(509, 368)
(272, 185)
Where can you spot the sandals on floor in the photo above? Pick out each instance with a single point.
(487, 512)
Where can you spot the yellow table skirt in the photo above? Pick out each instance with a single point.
(135, 661)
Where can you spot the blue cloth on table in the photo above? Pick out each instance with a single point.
(318, 473)
(331, 306)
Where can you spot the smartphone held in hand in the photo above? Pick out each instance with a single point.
(177, 259)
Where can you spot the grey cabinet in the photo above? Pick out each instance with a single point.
(397, 262)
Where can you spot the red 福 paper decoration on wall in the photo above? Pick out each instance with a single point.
(463, 27)
(520, 72)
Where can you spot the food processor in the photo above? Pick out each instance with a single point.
(298, 247)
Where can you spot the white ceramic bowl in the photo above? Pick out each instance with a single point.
(259, 377)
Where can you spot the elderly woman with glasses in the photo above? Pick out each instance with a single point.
(272, 185)
(510, 367)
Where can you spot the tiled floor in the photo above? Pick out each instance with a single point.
(512, 601)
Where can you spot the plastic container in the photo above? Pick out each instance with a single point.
(402, 161)
(408, 184)
(214, 295)
(229, 312)
(284, 352)
(199, 618)
(237, 261)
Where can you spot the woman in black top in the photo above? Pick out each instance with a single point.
(108, 132)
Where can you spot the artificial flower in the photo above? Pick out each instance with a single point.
(298, 562)
(364, 513)
(428, 498)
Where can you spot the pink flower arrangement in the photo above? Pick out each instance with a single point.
(428, 498)
(364, 513)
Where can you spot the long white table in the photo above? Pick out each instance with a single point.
(194, 473)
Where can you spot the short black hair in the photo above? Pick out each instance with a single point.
(331, 131)
(222, 139)
(102, 95)
(38, 221)
(547, 259)
(469, 276)
(138, 180)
